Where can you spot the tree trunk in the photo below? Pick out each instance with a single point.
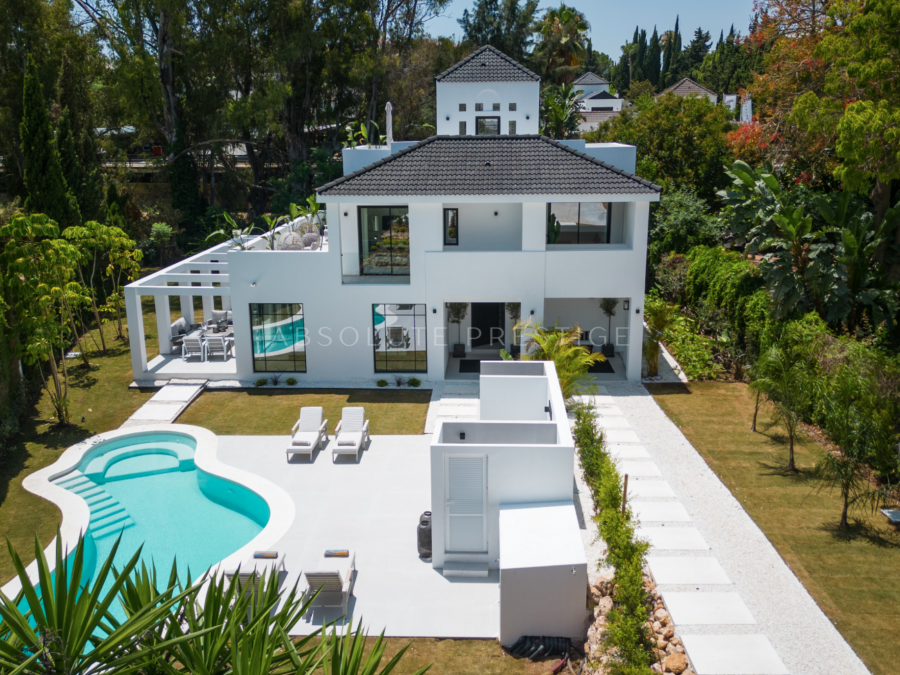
(844, 524)
(881, 202)
(84, 356)
(755, 413)
(58, 395)
(791, 466)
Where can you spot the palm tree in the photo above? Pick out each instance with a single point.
(659, 316)
(562, 47)
(783, 382)
(572, 360)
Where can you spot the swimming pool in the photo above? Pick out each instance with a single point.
(278, 337)
(164, 489)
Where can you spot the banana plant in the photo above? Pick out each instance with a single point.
(345, 654)
(64, 624)
(234, 232)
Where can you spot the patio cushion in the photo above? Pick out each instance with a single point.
(179, 327)
(350, 438)
(304, 438)
(221, 315)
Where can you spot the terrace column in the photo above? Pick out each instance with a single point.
(135, 319)
(163, 323)
(226, 302)
(187, 304)
(208, 304)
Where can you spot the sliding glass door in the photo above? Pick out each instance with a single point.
(384, 240)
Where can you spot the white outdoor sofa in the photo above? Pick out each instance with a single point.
(308, 432)
(335, 577)
(351, 434)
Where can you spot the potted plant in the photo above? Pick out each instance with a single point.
(457, 311)
(608, 307)
(514, 312)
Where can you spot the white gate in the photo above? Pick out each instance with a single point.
(466, 491)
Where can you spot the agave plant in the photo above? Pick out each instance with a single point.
(63, 624)
(345, 654)
(561, 346)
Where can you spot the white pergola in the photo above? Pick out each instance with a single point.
(205, 274)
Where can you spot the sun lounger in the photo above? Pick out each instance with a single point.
(351, 434)
(398, 337)
(335, 577)
(261, 564)
(893, 515)
(308, 432)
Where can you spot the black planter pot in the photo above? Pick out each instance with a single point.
(608, 350)
(515, 350)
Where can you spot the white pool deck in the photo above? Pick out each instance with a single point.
(372, 508)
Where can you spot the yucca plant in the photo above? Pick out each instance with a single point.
(345, 654)
(62, 626)
(572, 360)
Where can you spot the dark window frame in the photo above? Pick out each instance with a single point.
(462, 107)
(512, 107)
(479, 107)
(462, 128)
(359, 237)
(485, 117)
(511, 130)
(446, 237)
(415, 358)
(253, 354)
(495, 107)
(609, 206)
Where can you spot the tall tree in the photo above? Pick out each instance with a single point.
(561, 48)
(695, 52)
(509, 26)
(45, 183)
(651, 64)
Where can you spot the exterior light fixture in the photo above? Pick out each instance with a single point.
(462, 435)
(434, 310)
(496, 213)
(253, 285)
(532, 312)
(637, 311)
(447, 118)
(346, 214)
(626, 305)
(527, 117)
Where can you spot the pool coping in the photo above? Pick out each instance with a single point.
(76, 514)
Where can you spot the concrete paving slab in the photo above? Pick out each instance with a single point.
(176, 393)
(636, 469)
(650, 488)
(613, 423)
(695, 608)
(627, 451)
(158, 412)
(620, 436)
(660, 512)
(608, 411)
(685, 570)
(733, 655)
(673, 538)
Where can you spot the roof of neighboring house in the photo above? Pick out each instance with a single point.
(603, 95)
(687, 87)
(593, 118)
(589, 79)
(487, 64)
(487, 165)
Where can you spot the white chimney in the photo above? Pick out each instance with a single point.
(389, 122)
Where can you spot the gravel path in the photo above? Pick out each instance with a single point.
(780, 609)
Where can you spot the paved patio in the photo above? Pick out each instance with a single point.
(372, 508)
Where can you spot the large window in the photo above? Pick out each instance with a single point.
(400, 336)
(578, 223)
(451, 227)
(384, 240)
(487, 126)
(279, 337)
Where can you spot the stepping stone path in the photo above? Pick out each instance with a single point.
(167, 404)
(665, 523)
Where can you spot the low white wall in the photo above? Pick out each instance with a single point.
(514, 398)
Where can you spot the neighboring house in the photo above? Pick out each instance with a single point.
(504, 226)
(687, 87)
(595, 101)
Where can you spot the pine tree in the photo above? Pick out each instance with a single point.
(651, 60)
(45, 184)
(638, 70)
(68, 157)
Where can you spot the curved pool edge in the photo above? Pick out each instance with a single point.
(76, 514)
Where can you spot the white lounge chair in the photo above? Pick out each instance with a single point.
(192, 345)
(351, 433)
(218, 346)
(308, 432)
(398, 337)
(262, 563)
(335, 578)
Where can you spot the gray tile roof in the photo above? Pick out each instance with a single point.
(687, 87)
(590, 79)
(487, 165)
(487, 64)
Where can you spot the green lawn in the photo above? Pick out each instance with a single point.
(852, 576)
(270, 412)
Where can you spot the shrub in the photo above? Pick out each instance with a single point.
(291, 381)
(261, 382)
(276, 379)
(414, 382)
(399, 381)
(694, 352)
(671, 277)
(381, 383)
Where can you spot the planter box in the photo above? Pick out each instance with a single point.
(608, 350)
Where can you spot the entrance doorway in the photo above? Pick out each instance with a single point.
(488, 321)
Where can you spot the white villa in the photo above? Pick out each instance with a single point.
(429, 253)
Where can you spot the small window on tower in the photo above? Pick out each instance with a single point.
(479, 107)
(512, 127)
(462, 128)
(495, 107)
(512, 106)
(462, 107)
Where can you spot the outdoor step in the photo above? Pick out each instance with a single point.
(465, 569)
(98, 499)
(109, 519)
(88, 491)
(97, 510)
(72, 480)
(112, 529)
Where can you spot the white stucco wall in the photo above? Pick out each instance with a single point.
(488, 227)
(526, 96)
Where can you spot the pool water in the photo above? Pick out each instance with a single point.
(147, 489)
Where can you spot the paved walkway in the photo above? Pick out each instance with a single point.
(735, 603)
(167, 404)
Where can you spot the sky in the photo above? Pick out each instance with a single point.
(612, 23)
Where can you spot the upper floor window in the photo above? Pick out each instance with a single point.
(512, 127)
(578, 223)
(451, 227)
(462, 128)
(479, 107)
(512, 106)
(462, 107)
(495, 107)
(279, 337)
(384, 240)
(487, 126)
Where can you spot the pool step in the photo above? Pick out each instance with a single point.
(108, 516)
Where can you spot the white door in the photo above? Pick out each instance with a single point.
(466, 490)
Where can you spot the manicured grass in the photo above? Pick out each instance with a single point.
(853, 576)
(272, 412)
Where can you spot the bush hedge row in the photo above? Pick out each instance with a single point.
(627, 623)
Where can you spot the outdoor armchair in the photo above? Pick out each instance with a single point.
(351, 434)
(192, 345)
(308, 432)
(218, 346)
